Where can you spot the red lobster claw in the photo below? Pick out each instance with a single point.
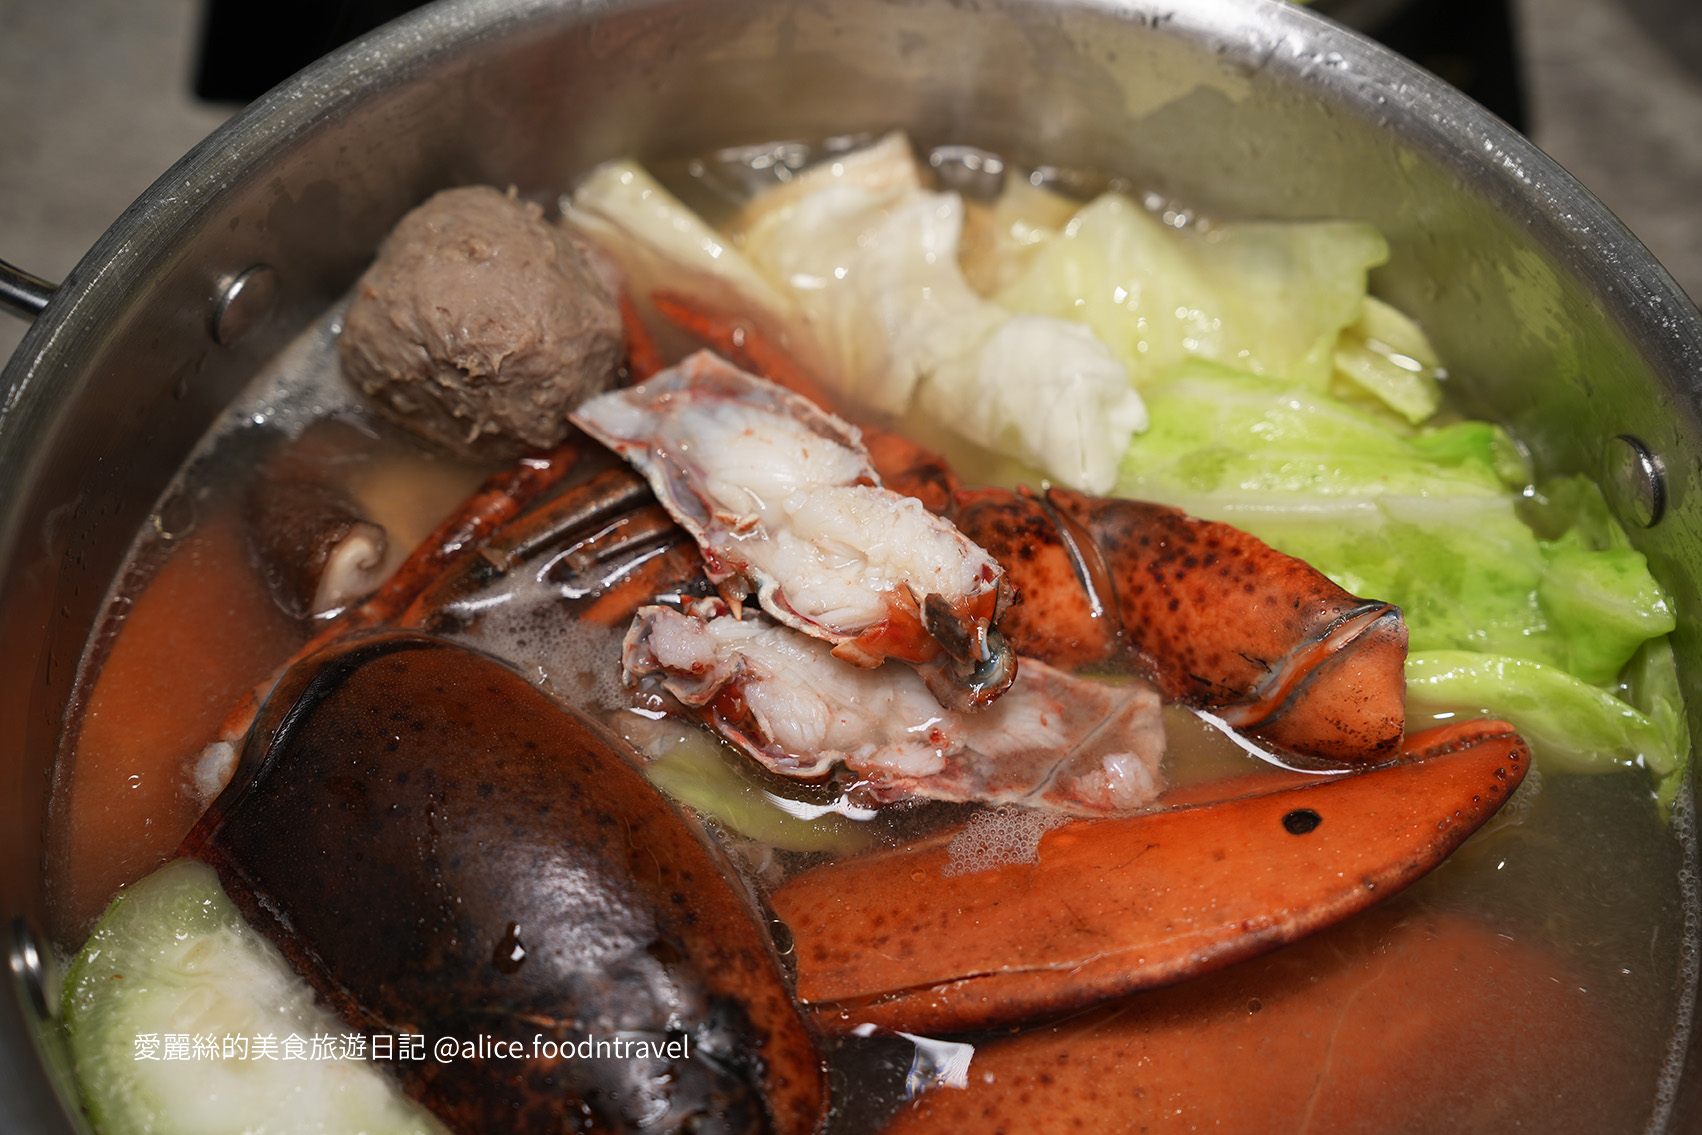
(1216, 618)
(1115, 906)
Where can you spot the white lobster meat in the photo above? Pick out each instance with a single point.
(786, 506)
(1052, 741)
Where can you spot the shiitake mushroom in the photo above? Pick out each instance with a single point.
(311, 540)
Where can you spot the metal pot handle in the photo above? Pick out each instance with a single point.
(22, 294)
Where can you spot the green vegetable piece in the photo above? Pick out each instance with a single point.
(1229, 446)
(1573, 507)
(170, 1007)
(1267, 298)
(1571, 726)
(1469, 575)
(1394, 332)
(1601, 607)
(1463, 569)
(1650, 682)
(1387, 356)
(1477, 444)
(696, 770)
(1435, 521)
(1411, 393)
(1666, 792)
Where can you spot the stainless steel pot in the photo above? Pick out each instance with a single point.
(1557, 321)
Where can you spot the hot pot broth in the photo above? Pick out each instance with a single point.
(1586, 868)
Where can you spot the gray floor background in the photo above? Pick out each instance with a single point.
(94, 105)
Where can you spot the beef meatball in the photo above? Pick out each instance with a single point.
(480, 325)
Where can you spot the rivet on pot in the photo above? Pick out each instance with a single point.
(1635, 481)
(29, 967)
(243, 304)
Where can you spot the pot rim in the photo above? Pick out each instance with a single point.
(1357, 75)
(1360, 74)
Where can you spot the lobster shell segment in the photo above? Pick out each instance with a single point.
(1111, 907)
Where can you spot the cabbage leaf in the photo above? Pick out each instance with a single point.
(1569, 724)
(872, 261)
(1512, 596)
(660, 243)
(854, 265)
(1267, 297)
(1386, 356)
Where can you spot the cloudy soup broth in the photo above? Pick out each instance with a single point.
(1540, 977)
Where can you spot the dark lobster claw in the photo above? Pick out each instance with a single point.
(440, 849)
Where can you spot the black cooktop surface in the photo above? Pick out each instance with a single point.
(247, 48)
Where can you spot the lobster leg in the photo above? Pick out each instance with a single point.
(591, 525)
(580, 539)
(742, 343)
(1114, 906)
(498, 501)
(643, 357)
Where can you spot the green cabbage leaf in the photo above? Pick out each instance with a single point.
(1268, 297)
(853, 264)
(1523, 602)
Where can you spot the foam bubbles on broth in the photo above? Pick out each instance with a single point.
(999, 837)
